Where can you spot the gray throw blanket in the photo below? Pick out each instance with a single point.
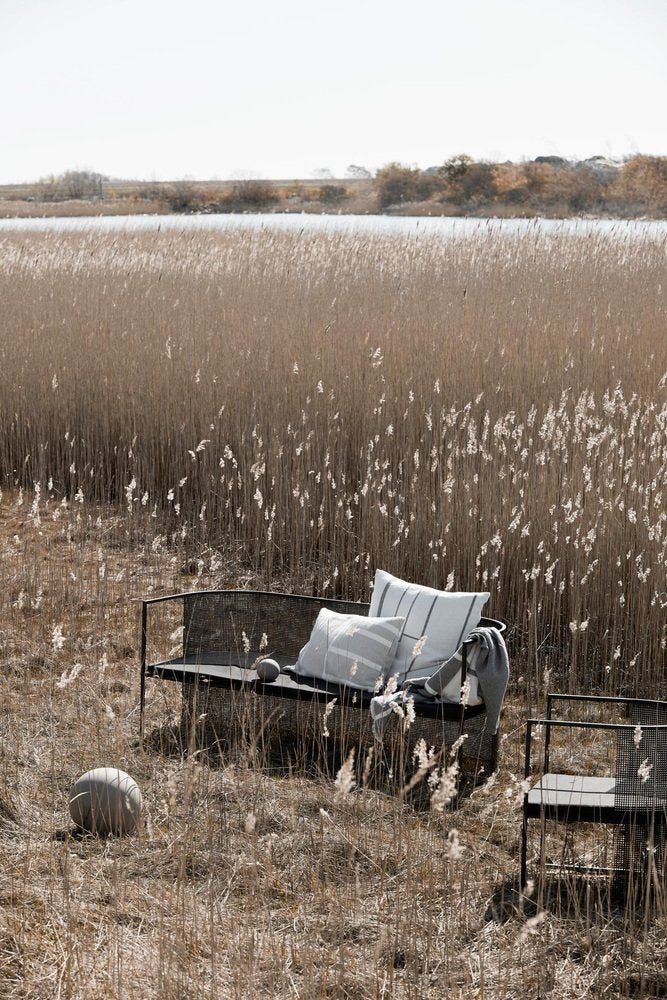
(489, 663)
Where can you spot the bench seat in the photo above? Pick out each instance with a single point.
(233, 671)
(589, 799)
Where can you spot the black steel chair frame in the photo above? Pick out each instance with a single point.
(617, 801)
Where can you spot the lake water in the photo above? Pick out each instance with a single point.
(380, 224)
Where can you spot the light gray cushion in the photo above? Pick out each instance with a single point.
(436, 622)
(350, 649)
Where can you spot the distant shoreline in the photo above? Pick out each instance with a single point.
(460, 188)
(104, 209)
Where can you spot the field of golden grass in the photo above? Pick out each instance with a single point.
(291, 411)
(483, 412)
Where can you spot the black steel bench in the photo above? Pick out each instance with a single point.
(225, 633)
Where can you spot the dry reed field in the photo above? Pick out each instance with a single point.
(290, 411)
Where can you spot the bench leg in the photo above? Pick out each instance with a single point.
(524, 851)
(195, 702)
(142, 702)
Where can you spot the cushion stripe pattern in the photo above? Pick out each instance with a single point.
(436, 622)
(351, 649)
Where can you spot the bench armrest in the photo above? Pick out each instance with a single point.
(548, 724)
(553, 698)
(650, 709)
(145, 604)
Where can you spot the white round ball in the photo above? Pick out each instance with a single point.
(267, 671)
(105, 800)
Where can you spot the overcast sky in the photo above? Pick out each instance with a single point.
(212, 89)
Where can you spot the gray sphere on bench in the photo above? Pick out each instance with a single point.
(267, 671)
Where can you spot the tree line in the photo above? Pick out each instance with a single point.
(547, 185)
(594, 185)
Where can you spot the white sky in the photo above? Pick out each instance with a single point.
(210, 89)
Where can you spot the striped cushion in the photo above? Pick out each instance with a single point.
(440, 619)
(350, 649)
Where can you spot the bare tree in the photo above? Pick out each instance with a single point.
(73, 184)
(360, 173)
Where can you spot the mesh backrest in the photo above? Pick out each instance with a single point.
(218, 621)
(641, 759)
(227, 620)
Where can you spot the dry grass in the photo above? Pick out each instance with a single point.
(243, 882)
(20, 209)
(523, 380)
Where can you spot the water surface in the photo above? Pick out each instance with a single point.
(444, 227)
